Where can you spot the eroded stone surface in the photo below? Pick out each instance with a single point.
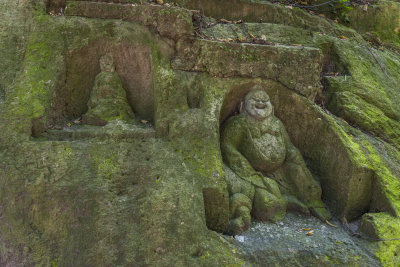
(295, 67)
(170, 22)
(125, 198)
(378, 23)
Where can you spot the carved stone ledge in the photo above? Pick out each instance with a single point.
(298, 68)
(169, 22)
(114, 131)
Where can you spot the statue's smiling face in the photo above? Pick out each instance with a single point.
(258, 105)
(106, 63)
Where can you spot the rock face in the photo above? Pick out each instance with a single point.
(155, 191)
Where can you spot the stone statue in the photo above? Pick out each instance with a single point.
(108, 98)
(269, 174)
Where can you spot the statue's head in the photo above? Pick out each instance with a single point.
(107, 63)
(257, 104)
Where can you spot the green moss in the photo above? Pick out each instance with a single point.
(160, 17)
(104, 202)
(358, 112)
(386, 229)
(119, 203)
(249, 11)
(386, 180)
(385, 194)
(379, 23)
(294, 67)
(368, 97)
(14, 35)
(42, 67)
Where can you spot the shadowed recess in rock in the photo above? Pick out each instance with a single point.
(133, 66)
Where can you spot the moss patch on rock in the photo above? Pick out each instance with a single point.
(385, 230)
(244, 60)
(380, 23)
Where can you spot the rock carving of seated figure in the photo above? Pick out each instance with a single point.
(269, 174)
(108, 100)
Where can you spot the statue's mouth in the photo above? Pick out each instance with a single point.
(260, 106)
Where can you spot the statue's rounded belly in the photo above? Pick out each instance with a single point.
(265, 153)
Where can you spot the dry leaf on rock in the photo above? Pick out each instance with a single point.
(330, 224)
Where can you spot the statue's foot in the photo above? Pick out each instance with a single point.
(237, 226)
(268, 207)
(321, 213)
(293, 204)
(240, 206)
(242, 221)
(272, 186)
(93, 120)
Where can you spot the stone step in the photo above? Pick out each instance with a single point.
(108, 132)
(170, 22)
(268, 32)
(256, 11)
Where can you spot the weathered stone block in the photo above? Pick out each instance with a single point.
(264, 11)
(169, 22)
(298, 68)
(379, 22)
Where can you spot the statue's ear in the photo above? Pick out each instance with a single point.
(241, 106)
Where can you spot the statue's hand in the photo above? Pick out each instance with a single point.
(256, 180)
(272, 186)
(259, 174)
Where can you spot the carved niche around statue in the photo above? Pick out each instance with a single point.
(266, 173)
(108, 100)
